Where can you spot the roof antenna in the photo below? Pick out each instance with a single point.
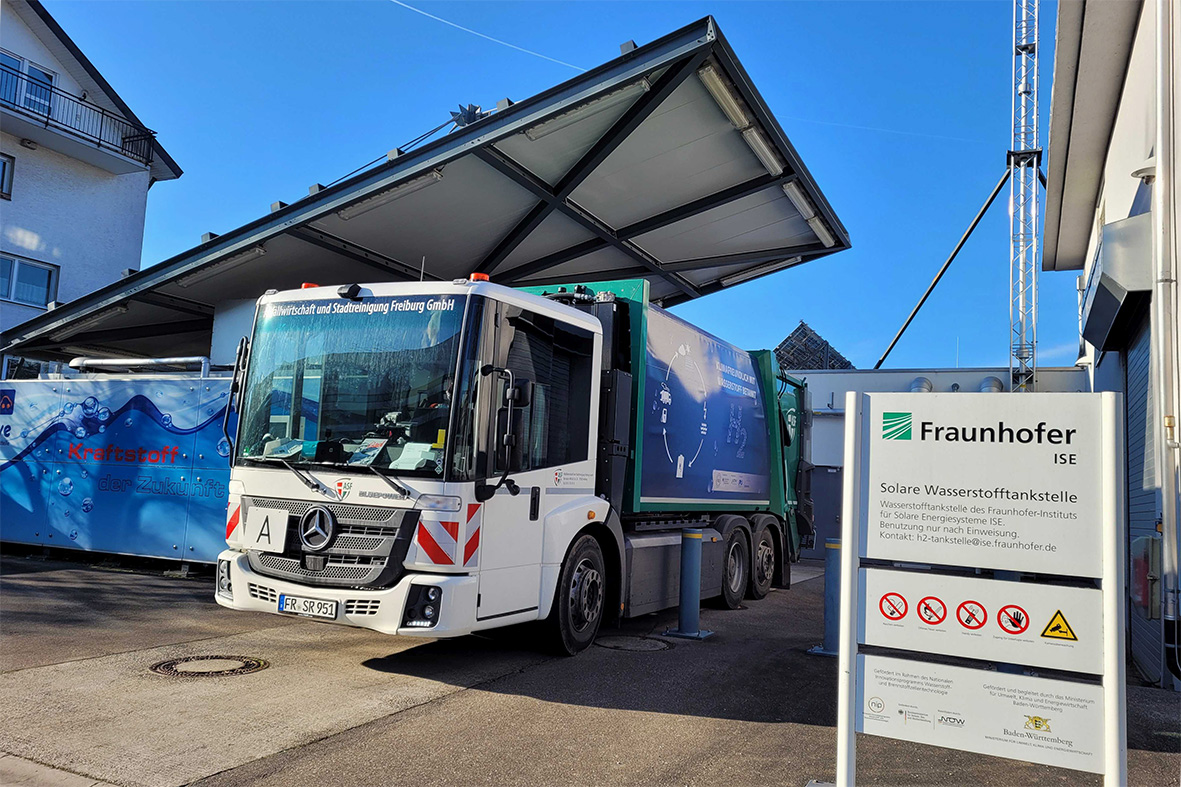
(422, 270)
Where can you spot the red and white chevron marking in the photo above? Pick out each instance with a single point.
(471, 550)
(439, 541)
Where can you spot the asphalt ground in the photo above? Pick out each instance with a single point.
(342, 706)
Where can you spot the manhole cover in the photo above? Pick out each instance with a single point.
(209, 666)
(638, 644)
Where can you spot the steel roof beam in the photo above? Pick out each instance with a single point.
(557, 197)
(176, 303)
(130, 332)
(750, 257)
(357, 253)
(551, 200)
(706, 203)
(671, 216)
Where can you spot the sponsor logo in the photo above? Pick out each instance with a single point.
(876, 704)
(7, 400)
(896, 426)
(558, 477)
(343, 487)
(1040, 434)
(1039, 723)
(950, 721)
(1036, 728)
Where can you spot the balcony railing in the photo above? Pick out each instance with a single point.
(57, 109)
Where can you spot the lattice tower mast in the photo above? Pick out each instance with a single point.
(1024, 230)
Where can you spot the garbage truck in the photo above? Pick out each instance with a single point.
(439, 458)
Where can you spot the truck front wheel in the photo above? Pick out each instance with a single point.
(735, 569)
(578, 609)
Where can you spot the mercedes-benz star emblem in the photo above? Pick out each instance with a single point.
(316, 528)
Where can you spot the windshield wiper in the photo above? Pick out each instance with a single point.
(307, 480)
(391, 482)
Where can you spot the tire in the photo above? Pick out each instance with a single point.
(579, 599)
(735, 569)
(763, 565)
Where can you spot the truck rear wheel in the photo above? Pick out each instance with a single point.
(763, 572)
(735, 569)
(578, 608)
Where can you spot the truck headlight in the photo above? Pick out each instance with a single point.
(437, 502)
(225, 588)
(422, 606)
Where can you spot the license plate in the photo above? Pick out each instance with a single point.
(308, 607)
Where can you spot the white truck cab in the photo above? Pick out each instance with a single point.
(417, 459)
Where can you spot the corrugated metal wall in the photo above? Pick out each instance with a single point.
(1143, 491)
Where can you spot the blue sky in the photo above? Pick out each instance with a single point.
(900, 110)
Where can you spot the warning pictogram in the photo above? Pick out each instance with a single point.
(1058, 628)
(971, 615)
(1013, 619)
(932, 611)
(893, 606)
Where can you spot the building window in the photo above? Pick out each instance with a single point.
(7, 164)
(34, 92)
(30, 283)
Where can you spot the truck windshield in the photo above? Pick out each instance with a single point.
(364, 384)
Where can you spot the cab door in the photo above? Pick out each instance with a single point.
(554, 360)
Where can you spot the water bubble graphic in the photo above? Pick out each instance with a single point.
(89, 405)
(104, 413)
(159, 394)
(65, 487)
(83, 473)
(73, 533)
(80, 432)
(24, 432)
(223, 447)
(102, 428)
(88, 505)
(69, 407)
(66, 512)
(166, 419)
(128, 421)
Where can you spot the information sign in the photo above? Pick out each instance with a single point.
(953, 497)
(954, 479)
(980, 628)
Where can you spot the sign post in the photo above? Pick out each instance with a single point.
(947, 498)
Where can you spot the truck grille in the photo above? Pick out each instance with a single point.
(337, 568)
(262, 592)
(362, 606)
(367, 550)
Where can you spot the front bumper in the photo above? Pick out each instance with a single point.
(379, 610)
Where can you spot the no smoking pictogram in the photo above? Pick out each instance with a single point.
(971, 615)
(893, 606)
(932, 611)
(1013, 619)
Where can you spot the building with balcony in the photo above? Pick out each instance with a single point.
(75, 168)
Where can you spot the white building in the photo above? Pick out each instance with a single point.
(1111, 217)
(75, 168)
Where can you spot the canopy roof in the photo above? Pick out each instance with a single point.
(664, 163)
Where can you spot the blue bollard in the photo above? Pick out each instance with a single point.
(689, 612)
(832, 599)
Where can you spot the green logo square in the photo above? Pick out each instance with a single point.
(896, 426)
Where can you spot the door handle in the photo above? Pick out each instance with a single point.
(534, 503)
